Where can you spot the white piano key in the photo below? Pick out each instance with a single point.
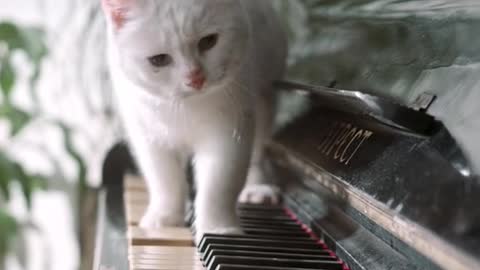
(160, 237)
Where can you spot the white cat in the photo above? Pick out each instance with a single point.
(192, 80)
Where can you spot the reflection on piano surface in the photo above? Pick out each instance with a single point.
(377, 185)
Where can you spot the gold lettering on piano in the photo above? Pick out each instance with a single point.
(343, 141)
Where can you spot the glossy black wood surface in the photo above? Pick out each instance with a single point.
(423, 177)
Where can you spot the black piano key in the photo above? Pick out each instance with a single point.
(270, 255)
(270, 223)
(273, 233)
(280, 220)
(256, 267)
(258, 212)
(281, 216)
(314, 252)
(267, 226)
(266, 221)
(274, 262)
(259, 207)
(262, 212)
(207, 237)
(275, 218)
(273, 240)
(270, 216)
(257, 242)
(286, 224)
(262, 209)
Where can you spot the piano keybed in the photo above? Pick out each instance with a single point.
(274, 240)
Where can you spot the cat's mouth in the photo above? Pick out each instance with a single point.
(208, 86)
(188, 93)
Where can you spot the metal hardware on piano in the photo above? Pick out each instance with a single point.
(367, 184)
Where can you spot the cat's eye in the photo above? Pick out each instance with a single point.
(208, 42)
(160, 60)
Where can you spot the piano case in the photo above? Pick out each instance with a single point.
(381, 185)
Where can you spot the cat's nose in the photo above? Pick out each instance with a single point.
(196, 79)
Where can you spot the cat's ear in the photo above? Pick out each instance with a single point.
(117, 10)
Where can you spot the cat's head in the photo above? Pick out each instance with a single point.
(178, 48)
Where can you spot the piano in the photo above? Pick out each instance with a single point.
(370, 179)
(367, 184)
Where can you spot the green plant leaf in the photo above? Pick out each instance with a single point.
(25, 182)
(29, 183)
(7, 77)
(28, 39)
(10, 34)
(11, 171)
(5, 175)
(31, 41)
(18, 118)
(39, 182)
(8, 232)
(74, 154)
(33, 44)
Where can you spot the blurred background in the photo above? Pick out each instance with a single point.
(56, 124)
(57, 118)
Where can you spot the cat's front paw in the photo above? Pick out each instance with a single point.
(157, 218)
(218, 231)
(260, 194)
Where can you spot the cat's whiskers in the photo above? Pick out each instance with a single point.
(231, 102)
(180, 113)
(177, 111)
(239, 113)
(242, 87)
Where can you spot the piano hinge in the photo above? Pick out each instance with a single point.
(423, 101)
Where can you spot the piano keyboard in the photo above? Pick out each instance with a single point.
(274, 240)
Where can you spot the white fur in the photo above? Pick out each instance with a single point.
(223, 127)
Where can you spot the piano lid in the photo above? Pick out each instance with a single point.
(423, 177)
(358, 102)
